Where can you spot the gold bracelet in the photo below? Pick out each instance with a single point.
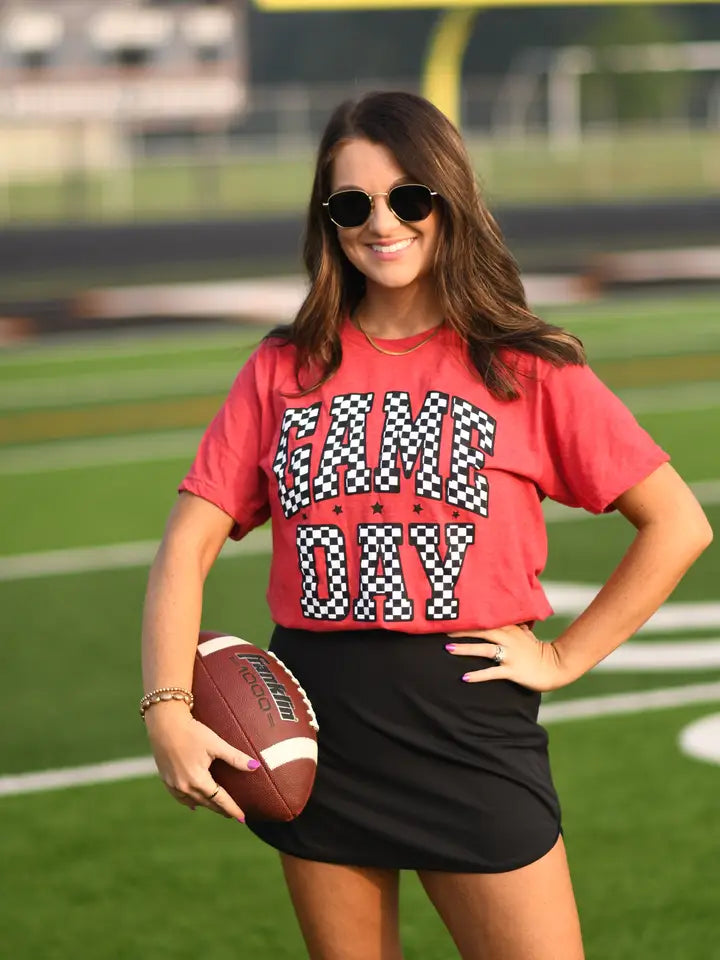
(163, 694)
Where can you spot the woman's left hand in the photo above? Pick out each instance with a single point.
(525, 659)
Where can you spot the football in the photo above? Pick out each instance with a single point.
(250, 699)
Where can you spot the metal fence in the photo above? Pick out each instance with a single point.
(533, 133)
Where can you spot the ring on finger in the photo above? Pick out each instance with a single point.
(499, 657)
(213, 795)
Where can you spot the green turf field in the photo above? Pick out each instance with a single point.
(94, 436)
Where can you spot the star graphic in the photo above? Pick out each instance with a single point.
(376, 507)
(417, 508)
(337, 510)
(456, 514)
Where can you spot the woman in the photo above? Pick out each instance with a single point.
(402, 433)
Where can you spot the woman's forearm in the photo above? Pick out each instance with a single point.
(651, 568)
(194, 535)
(171, 619)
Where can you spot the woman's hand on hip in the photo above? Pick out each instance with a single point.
(523, 658)
(183, 749)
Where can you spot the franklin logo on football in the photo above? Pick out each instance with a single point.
(261, 679)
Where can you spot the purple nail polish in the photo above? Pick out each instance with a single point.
(253, 764)
(466, 676)
(240, 819)
(450, 647)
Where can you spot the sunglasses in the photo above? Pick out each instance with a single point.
(410, 202)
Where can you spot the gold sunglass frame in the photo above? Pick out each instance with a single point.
(371, 198)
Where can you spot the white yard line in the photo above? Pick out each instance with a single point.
(140, 553)
(663, 656)
(672, 397)
(218, 375)
(707, 492)
(76, 776)
(111, 345)
(623, 704)
(567, 599)
(613, 341)
(115, 556)
(53, 455)
(83, 388)
(619, 704)
(99, 452)
(701, 739)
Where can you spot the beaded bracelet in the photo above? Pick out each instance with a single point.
(165, 693)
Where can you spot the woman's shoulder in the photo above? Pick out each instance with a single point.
(275, 350)
(536, 368)
(269, 366)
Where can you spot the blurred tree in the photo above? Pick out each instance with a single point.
(608, 94)
(389, 44)
(342, 46)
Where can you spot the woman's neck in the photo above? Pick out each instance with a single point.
(390, 313)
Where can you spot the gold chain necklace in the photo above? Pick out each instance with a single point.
(397, 353)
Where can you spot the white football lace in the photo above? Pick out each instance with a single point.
(311, 713)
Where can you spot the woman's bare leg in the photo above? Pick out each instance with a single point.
(345, 913)
(524, 914)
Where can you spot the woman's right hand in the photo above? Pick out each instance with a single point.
(183, 749)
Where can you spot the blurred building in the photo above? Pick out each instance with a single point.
(78, 77)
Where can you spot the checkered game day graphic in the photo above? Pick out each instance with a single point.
(406, 474)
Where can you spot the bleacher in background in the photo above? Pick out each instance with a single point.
(77, 77)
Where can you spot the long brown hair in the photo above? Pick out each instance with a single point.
(478, 280)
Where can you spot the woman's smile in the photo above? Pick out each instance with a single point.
(391, 250)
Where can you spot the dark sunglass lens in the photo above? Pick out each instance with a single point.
(411, 202)
(350, 208)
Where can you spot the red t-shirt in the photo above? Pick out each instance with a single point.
(402, 494)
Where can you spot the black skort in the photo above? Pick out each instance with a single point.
(417, 769)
